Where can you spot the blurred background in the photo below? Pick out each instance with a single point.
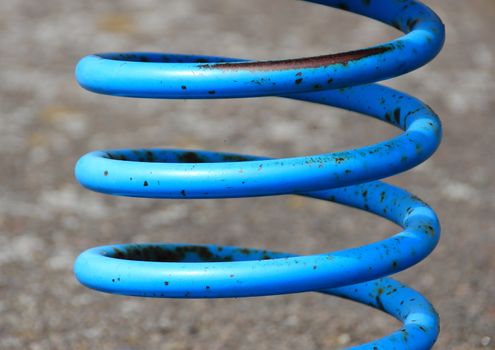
(46, 218)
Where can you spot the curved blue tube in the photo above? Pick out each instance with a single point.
(350, 177)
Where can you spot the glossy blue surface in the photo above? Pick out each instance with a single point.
(349, 177)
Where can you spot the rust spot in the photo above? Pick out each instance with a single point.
(119, 254)
(235, 158)
(159, 253)
(298, 63)
(150, 157)
(265, 256)
(429, 230)
(378, 300)
(397, 116)
(411, 23)
(190, 157)
(245, 251)
(110, 155)
(396, 25)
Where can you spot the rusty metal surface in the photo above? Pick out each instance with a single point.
(45, 219)
(309, 62)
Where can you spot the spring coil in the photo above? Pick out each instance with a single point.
(342, 80)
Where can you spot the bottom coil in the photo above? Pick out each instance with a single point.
(212, 271)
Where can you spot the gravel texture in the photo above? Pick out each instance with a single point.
(46, 218)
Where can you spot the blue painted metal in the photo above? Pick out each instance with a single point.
(349, 177)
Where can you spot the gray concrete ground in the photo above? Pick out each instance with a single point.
(46, 218)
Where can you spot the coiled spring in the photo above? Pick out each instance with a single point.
(343, 80)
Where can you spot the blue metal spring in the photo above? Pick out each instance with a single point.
(342, 80)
